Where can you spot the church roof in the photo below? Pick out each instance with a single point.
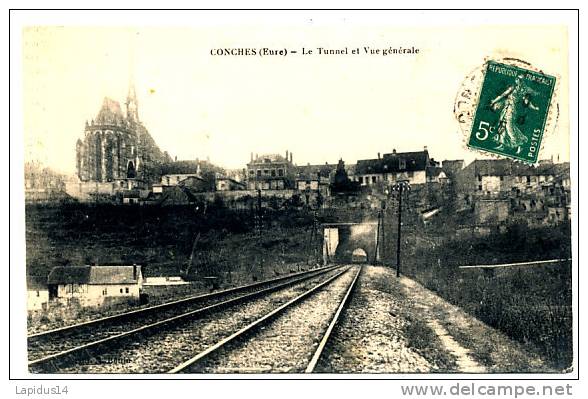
(110, 113)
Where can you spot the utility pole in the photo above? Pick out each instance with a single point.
(400, 187)
(399, 230)
(383, 245)
(378, 239)
(259, 226)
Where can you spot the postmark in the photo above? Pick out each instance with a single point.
(505, 108)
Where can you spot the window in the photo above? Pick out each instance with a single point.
(501, 178)
(480, 178)
(411, 174)
(479, 187)
(258, 172)
(121, 291)
(374, 179)
(127, 290)
(251, 172)
(402, 164)
(280, 172)
(104, 291)
(273, 173)
(38, 294)
(360, 179)
(528, 179)
(266, 171)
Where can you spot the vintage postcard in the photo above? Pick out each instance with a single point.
(306, 194)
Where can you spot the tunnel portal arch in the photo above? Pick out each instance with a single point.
(342, 239)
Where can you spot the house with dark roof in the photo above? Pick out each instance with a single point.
(315, 178)
(411, 166)
(95, 285)
(492, 177)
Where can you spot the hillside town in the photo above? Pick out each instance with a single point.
(119, 162)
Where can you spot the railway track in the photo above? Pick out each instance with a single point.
(288, 339)
(53, 350)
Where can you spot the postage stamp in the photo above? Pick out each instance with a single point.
(512, 111)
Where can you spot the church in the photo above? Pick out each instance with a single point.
(117, 151)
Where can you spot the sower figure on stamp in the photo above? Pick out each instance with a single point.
(512, 104)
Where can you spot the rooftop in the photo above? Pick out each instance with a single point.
(93, 275)
(110, 113)
(269, 158)
(394, 162)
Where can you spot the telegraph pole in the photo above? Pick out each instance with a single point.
(259, 226)
(399, 230)
(400, 186)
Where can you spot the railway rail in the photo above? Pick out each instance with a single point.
(52, 350)
(276, 341)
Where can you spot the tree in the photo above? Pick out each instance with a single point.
(342, 183)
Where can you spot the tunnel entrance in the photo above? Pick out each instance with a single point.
(351, 242)
(359, 256)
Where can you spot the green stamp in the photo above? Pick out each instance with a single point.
(512, 112)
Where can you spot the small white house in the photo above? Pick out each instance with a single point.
(37, 293)
(95, 285)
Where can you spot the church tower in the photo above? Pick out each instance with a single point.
(132, 105)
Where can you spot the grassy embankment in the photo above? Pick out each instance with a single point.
(530, 304)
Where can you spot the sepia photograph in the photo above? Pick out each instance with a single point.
(311, 194)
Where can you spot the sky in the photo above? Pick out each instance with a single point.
(320, 108)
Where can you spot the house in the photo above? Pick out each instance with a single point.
(95, 285)
(173, 173)
(451, 167)
(411, 166)
(436, 174)
(228, 184)
(37, 293)
(177, 178)
(270, 172)
(315, 178)
(537, 195)
(495, 177)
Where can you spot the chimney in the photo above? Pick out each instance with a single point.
(379, 155)
(286, 155)
(425, 148)
(134, 271)
(394, 151)
(251, 156)
(290, 157)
